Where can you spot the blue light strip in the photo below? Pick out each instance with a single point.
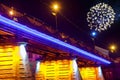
(18, 26)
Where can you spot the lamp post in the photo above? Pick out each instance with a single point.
(55, 9)
(11, 12)
(93, 35)
(112, 48)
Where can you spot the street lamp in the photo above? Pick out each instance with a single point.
(11, 12)
(93, 35)
(55, 9)
(113, 48)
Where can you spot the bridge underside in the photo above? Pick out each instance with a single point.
(40, 62)
(45, 52)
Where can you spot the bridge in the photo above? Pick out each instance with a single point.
(32, 50)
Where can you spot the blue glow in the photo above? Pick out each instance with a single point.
(93, 33)
(18, 26)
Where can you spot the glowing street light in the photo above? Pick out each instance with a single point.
(93, 34)
(113, 48)
(55, 9)
(11, 12)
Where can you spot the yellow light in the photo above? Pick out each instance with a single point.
(56, 7)
(57, 69)
(91, 73)
(113, 48)
(11, 12)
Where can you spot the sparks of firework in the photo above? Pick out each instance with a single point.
(100, 17)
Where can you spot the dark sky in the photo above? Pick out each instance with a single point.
(72, 17)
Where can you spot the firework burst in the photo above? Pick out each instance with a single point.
(100, 17)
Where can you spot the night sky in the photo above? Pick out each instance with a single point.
(72, 18)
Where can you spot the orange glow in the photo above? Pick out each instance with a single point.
(8, 60)
(113, 48)
(91, 73)
(11, 63)
(55, 7)
(11, 12)
(56, 70)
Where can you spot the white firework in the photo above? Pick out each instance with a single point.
(100, 17)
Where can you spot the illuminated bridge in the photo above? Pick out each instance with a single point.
(31, 50)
